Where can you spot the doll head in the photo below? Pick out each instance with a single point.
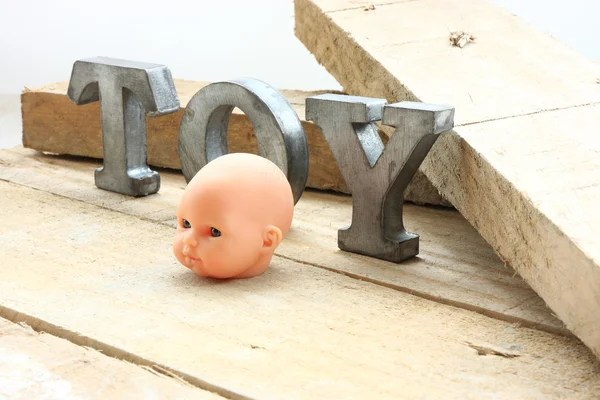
(232, 216)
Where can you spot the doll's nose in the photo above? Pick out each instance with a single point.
(190, 239)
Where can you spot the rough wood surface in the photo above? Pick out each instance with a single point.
(51, 123)
(522, 164)
(42, 366)
(108, 280)
(455, 266)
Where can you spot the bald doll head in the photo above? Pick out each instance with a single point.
(232, 216)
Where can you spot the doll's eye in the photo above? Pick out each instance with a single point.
(214, 232)
(186, 224)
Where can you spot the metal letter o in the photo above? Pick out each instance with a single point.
(278, 130)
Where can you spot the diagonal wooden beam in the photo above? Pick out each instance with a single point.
(522, 164)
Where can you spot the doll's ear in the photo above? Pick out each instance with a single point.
(271, 238)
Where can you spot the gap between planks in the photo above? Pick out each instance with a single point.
(42, 326)
(35, 366)
(456, 267)
(446, 301)
(516, 116)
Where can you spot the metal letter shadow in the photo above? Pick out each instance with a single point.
(378, 176)
(127, 90)
(278, 130)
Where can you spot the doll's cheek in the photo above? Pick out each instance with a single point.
(178, 252)
(177, 245)
(210, 256)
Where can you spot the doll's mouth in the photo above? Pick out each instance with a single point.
(196, 265)
(188, 257)
(193, 260)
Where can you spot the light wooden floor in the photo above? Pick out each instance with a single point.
(95, 269)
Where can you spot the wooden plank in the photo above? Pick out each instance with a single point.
(51, 123)
(108, 280)
(465, 273)
(42, 366)
(400, 51)
(521, 165)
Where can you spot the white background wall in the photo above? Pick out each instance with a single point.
(200, 40)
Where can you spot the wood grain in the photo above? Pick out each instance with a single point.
(455, 266)
(53, 124)
(108, 280)
(42, 366)
(522, 164)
